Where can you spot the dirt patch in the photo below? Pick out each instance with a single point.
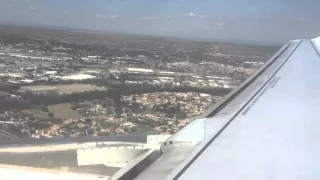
(39, 88)
(36, 113)
(70, 88)
(63, 111)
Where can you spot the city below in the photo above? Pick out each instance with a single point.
(57, 84)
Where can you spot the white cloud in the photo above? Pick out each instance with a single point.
(101, 16)
(106, 16)
(190, 14)
(201, 16)
(31, 7)
(148, 18)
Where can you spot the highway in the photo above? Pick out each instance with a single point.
(9, 122)
(4, 135)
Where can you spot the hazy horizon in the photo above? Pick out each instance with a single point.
(255, 21)
(105, 32)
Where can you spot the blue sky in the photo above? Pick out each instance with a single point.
(269, 21)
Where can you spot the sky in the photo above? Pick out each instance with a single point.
(262, 21)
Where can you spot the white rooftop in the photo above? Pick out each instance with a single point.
(78, 77)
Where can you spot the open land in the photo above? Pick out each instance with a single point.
(72, 88)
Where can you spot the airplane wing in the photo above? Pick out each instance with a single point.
(268, 128)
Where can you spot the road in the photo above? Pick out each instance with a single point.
(4, 135)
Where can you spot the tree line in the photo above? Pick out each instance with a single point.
(30, 100)
(9, 87)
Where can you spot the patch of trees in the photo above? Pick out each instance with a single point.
(74, 107)
(51, 114)
(30, 100)
(146, 122)
(12, 38)
(38, 124)
(149, 89)
(8, 87)
(6, 104)
(43, 99)
(44, 108)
